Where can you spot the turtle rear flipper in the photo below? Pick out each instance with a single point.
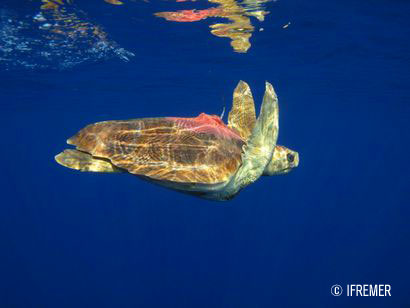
(82, 161)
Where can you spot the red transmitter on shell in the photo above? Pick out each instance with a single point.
(208, 124)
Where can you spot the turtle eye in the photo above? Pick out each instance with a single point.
(290, 157)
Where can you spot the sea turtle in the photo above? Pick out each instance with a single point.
(200, 156)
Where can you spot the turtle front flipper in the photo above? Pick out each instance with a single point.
(242, 116)
(266, 131)
(259, 150)
(82, 161)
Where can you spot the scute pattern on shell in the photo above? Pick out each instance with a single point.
(162, 149)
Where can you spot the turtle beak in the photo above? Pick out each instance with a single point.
(296, 160)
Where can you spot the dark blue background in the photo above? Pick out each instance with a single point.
(341, 71)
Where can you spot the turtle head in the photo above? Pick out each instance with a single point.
(283, 160)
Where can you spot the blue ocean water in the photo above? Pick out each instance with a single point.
(70, 239)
